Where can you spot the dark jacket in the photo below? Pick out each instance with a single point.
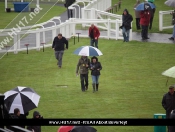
(126, 20)
(58, 44)
(168, 103)
(35, 128)
(68, 3)
(81, 66)
(172, 116)
(95, 66)
(145, 18)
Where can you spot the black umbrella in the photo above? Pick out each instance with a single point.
(24, 98)
(83, 129)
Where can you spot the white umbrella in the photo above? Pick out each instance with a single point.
(88, 51)
(23, 98)
(169, 73)
(170, 3)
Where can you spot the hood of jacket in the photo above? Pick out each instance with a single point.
(36, 113)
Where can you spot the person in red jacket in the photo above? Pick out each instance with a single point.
(144, 22)
(94, 34)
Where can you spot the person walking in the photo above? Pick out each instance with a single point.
(168, 102)
(126, 24)
(83, 70)
(137, 15)
(95, 67)
(173, 23)
(94, 34)
(58, 45)
(144, 22)
(36, 116)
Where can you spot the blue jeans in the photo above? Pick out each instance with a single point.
(59, 56)
(95, 79)
(173, 31)
(92, 41)
(125, 34)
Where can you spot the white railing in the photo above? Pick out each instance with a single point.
(165, 20)
(46, 35)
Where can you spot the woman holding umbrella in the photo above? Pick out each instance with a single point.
(95, 67)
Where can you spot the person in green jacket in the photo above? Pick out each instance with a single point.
(83, 70)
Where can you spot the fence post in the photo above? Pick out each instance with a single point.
(38, 40)
(109, 28)
(117, 29)
(160, 21)
(19, 41)
(92, 13)
(15, 44)
(54, 33)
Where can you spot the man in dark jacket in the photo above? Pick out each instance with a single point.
(126, 25)
(83, 70)
(59, 47)
(36, 116)
(168, 102)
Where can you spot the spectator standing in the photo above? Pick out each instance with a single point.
(152, 12)
(137, 15)
(95, 67)
(67, 4)
(168, 102)
(94, 34)
(83, 70)
(173, 23)
(36, 116)
(58, 46)
(126, 24)
(144, 22)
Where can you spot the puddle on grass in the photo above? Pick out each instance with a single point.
(62, 86)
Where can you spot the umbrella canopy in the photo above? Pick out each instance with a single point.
(83, 129)
(170, 72)
(23, 98)
(145, 6)
(170, 3)
(88, 51)
(65, 129)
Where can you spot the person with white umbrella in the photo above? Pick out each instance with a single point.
(95, 67)
(83, 70)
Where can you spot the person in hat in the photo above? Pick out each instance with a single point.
(95, 67)
(83, 70)
(168, 102)
(36, 116)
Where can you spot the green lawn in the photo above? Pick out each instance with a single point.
(131, 84)
(9, 20)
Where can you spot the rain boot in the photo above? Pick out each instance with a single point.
(96, 87)
(93, 85)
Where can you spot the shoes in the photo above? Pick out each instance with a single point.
(86, 87)
(59, 66)
(146, 38)
(143, 38)
(171, 38)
